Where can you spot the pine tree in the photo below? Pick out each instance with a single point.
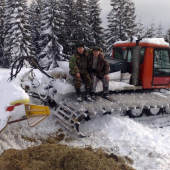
(67, 7)
(51, 50)
(61, 20)
(121, 21)
(24, 6)
(17, 33)
(20, 34)
(150, 31)
(2, 3)
(159, 33)
(140, 28)
(95, 24)
(130, 18)
(167, 36)
(82, 26)
(34, 19)
(110, 34)
(117, 17)
(9, 8)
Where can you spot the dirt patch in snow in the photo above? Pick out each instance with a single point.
(60, 157)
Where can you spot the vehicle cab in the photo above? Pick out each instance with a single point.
(154, 68)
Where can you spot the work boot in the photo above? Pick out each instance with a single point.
(88, 95)
(79, 99)
(105, 95)
(88, 98)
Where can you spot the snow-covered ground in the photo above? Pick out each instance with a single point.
(145, 140)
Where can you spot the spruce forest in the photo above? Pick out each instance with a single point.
(49, 29)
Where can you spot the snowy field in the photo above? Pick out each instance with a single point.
(145, 140)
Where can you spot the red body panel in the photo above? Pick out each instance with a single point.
(161, 80)
(146, 69)
(142, 44)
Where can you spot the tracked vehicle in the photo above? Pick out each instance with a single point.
(147, 90)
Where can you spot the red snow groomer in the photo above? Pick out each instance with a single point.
(146, 66)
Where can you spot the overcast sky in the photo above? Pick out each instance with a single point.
(159, 10)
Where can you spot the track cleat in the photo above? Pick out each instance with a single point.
(79, 99)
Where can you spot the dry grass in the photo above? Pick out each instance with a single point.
(60, 157)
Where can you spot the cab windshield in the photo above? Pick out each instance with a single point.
(119, 53)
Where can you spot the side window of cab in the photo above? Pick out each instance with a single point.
(142, 54)
(161, 62)
(130, 53)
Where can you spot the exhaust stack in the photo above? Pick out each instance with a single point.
(136, 63)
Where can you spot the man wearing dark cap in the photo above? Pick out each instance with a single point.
(98, 68)
(78, 64)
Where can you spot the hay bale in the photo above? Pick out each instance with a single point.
(60, 157)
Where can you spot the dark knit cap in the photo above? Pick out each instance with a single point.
(79, 45)
(96, 48)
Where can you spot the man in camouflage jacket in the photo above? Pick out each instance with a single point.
(98, 68)
(78, 64)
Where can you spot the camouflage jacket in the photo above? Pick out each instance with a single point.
(79, 63)
(102, 66)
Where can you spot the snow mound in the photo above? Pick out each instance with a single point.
(158, 41)
(9, 92)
